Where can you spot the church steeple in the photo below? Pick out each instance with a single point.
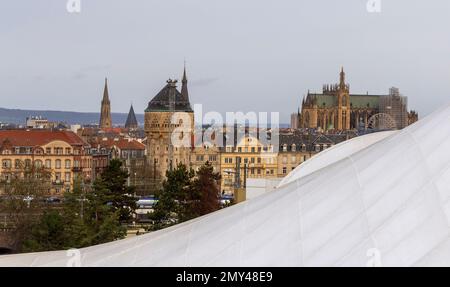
(131, 122)
(184, 88)
(105, 92)
(105, 113)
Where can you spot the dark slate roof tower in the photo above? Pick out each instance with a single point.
(131, 122)
(105, 113)
(169, 99)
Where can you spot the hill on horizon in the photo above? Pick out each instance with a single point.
(18, 116)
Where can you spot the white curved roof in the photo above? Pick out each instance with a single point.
(388, 204)
(334, 154)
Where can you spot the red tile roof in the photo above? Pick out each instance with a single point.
(121, 143)
(31, 138)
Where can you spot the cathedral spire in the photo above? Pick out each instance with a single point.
(342, 78)
(184, 88)
(105, 112)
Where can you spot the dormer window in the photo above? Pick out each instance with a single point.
(303, 148)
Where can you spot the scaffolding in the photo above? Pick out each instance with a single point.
(395, 105)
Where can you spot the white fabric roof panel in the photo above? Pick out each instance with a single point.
(390, 198)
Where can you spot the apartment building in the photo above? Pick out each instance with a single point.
(62, 153)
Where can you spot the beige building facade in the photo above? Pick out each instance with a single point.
(62, 153)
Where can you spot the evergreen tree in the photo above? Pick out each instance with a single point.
(173, 198)
(47, 234)
(207, 187)
(110, 189)
(186, 195)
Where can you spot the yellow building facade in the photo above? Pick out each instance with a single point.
(248, 158)
(62, 153)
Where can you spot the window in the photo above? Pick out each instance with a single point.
(48, 150)
(28, 163)
(259, 160)
(6, 163)
(252, 160)
(253, 149)
(284, 170)
(57, 177)
(68, 150)
(48, 163)
(38, 163)
(17, 164)
(58, 163)
(67, 177)
(67, 163)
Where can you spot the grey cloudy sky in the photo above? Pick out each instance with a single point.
(249, 55)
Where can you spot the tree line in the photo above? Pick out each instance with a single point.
(98, 213)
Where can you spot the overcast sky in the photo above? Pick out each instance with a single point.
(251, 55)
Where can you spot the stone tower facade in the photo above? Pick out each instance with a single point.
(105, 113)
(169, 127)
(343, 120)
